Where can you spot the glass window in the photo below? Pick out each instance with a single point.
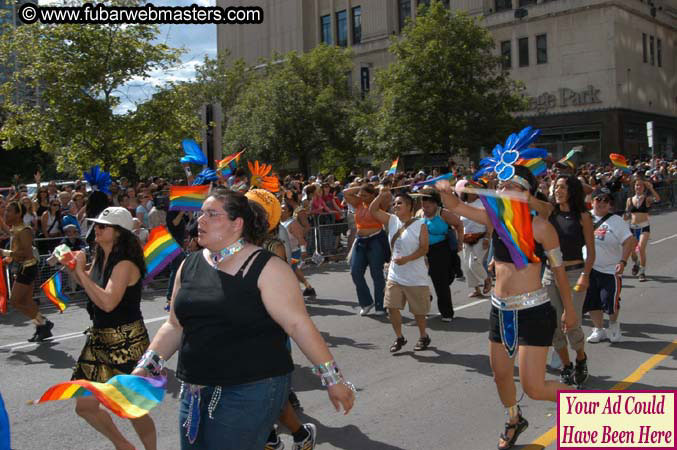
(342, 28)
(523, 44)
(541, 49)
(644, 48)
(404, 12)
(651, 51)
(506, 54)
(325, 26)
(659, 52)
(526, 2)
(364, 79)
(357, 25)
(503, 5)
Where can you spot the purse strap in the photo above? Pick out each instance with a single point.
(400, 231)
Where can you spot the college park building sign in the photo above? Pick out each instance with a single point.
(563, 98)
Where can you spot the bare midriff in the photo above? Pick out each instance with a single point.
(510, 281)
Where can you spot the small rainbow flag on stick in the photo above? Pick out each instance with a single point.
(512, 221)
(128, 396)
(53, 290)
(536, 165)
(228, 165)
(159, 251)
(393, 167)
(620, 162)
(187, 198)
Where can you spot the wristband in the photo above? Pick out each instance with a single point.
(152, 362)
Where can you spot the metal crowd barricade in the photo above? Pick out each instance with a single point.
(327, 236)
(667, 193)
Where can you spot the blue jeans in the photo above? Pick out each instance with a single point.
(242, 418)
(368, 252)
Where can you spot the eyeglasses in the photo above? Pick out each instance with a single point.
(602, 199)
(210, 214)
(102, 226)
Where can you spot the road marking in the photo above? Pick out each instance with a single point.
(661, 240)
(65, 337)
(471, 304)
(550, 436)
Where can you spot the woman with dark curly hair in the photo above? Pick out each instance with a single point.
(118, 336)
(574, 227)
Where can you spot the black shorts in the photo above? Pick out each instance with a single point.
(26, 275)
(535, 326)
(637, 232)
(604, 293)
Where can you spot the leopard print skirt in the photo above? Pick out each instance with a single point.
(111, 351)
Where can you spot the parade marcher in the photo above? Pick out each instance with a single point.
(370, 249)
(637, 210)
(442, 269)
(233, 301)
(298, 246)
(575, 231)
(407, 274)
(118, 336)
(475, 246)
(51, 227)
(21, 253)
(613, 245)
(520, 292)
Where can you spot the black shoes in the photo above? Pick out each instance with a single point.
(422, 343)
(581, 373)
(398, 344)
(310, 293)
(42, 332)
(566, 375)
(294, 400)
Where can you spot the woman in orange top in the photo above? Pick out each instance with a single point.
(369, 249)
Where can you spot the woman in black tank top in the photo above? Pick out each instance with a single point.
(575, 229)
(233, 308)
(118, 336)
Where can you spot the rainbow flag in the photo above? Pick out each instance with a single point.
(537, 166)
(620, 162)
(187, 198)
(127, 396)
(512, 221)
(393, 167)
(228, 165)
(159, 251)
(53, 290)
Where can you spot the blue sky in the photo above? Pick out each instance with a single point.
(197, 40)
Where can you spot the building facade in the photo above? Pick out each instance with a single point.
(595, 71)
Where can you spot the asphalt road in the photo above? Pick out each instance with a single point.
(442, 398)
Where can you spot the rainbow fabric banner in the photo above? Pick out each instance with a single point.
(127, 396)
(228, 165)
(187, 198)
(53, 290)
(620, 162)
(512, 221)
(393, 167)
(537, 166)
(160, 250)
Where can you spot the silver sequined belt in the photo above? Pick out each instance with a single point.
(521, 301)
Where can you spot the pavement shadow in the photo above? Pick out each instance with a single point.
(339, 341)
(650, 347)
(173, 384)
(333, 302)
(346, 437)
(315, 310)
(644, 330)
(44, 353)
(478, 363)
(460, 324)
(661, 279)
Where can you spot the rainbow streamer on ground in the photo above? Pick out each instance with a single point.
(537, 166)
(54, 292)
(159, 251)
(128, 396)
(512, 221)
(228, 165)
(393, 167)
(187, 198)
(620, 162)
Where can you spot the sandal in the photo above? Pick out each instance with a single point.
(398, 344)
(518, 426)
(422, 343)
(487, 286)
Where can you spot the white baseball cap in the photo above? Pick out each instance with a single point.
(115, 215)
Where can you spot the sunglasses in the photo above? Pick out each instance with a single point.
(602, 199)
(102, 226)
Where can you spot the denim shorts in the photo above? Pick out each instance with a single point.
(242, 417)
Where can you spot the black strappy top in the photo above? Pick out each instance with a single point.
(643, 208)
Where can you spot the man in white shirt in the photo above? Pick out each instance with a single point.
(613, 244)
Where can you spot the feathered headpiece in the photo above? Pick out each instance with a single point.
(504, 157)
(98, 179)
(193, 153)
(205, 177)
(260, 178)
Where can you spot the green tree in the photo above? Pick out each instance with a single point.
(65, 94)
(299, 107)
(445, 92)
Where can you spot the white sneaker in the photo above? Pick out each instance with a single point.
(366, 310)
(597, 335)
(381, 312)
(615, 332)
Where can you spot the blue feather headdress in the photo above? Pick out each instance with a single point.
(193, 153)
(98, 179)
(205, 177)
(504, 157)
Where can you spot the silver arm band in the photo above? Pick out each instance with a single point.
(555, 257)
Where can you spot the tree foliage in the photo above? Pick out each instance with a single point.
(445, 91)
(65, 89)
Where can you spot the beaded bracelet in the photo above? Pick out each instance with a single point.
(331, 375)
(152, 362)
